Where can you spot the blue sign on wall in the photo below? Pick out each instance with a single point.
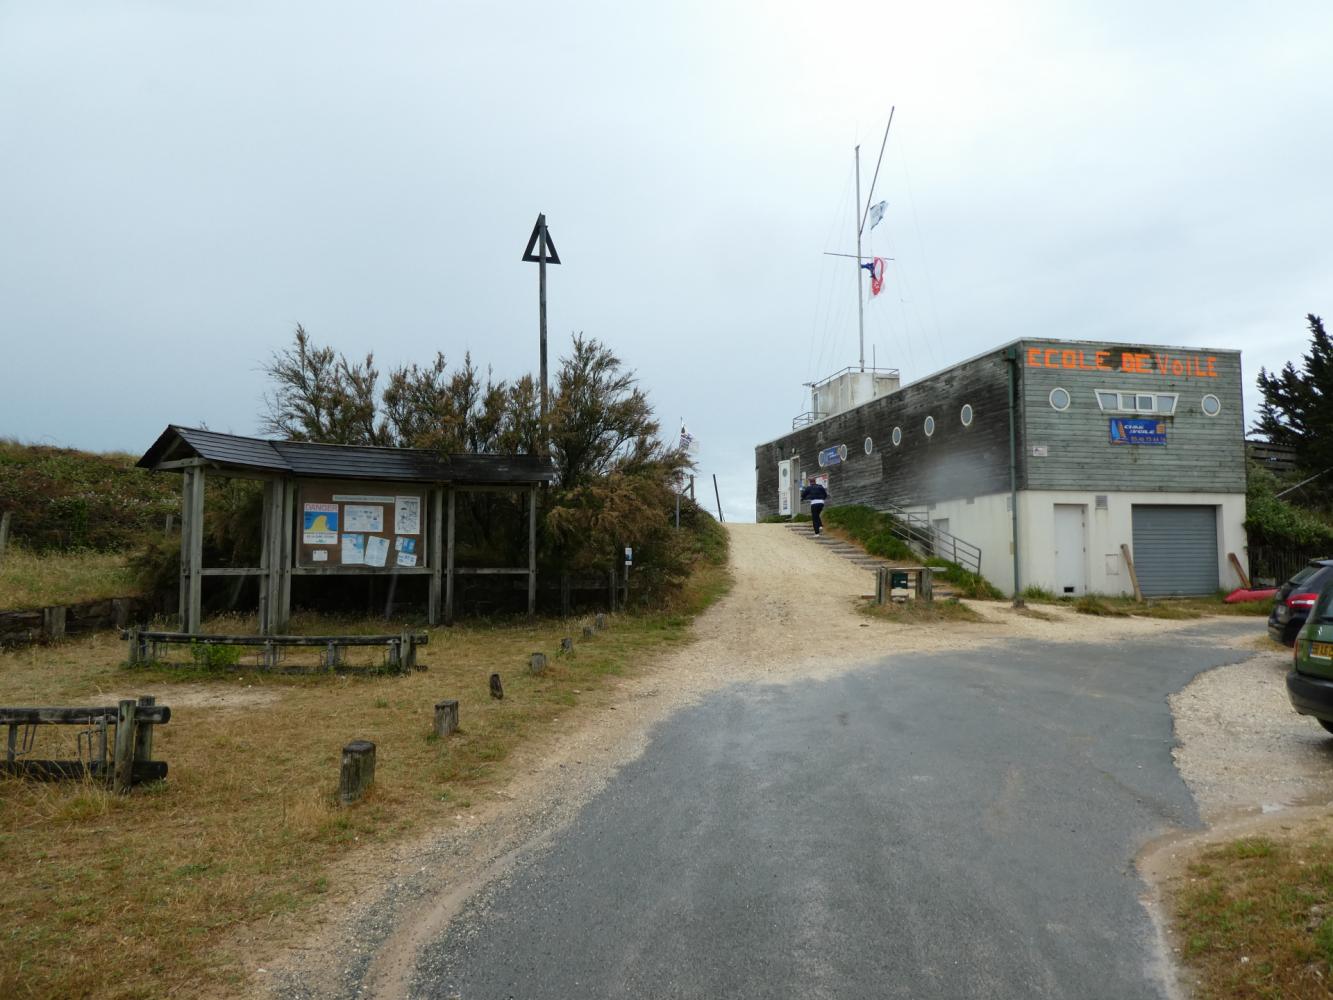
(832, 456)
(1126, 430)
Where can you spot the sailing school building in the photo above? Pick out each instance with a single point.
(1124, 460)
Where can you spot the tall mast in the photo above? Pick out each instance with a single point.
(860, 219)
(860, 306)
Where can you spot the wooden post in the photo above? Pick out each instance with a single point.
(358, 771)
(1235, 564)
(436, 555)
(196, 549)
(446, 718)
(284, 550)
(599, 622)
(567, 645)
(497, 689)
(532, 552)
(925, 584)
(5, 519)
(187, 492)
(718, 497)
(881, 584)
(123, 770)
(143, 742)
(587, 631)
(537, 663)
(53, 623)
(1133, 576)
(132, 637)
(265, 563)
(449, 561)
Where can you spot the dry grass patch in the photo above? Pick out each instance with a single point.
(131, 897)
(923, 612)
(28, 580)
(1254, 917)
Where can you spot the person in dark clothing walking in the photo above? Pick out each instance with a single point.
(817, 496)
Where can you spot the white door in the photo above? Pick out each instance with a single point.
(784, 488)
(1071, 549)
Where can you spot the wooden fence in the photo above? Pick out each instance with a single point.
(51, 624)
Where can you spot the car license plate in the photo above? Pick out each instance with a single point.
(1322, 650)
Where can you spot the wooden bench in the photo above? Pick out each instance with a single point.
(401, 649)
(132, 762)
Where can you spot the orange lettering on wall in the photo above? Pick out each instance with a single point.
(1129, 362)
(1163, 361)
(1101, 360)
(1034, 355)
(1177, 368)
(1068, 358)
(1212, 371)
(1049, 354)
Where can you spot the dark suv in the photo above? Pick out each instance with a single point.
(1295, 598)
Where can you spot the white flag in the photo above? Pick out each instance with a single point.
(688, 443)
(876, 213)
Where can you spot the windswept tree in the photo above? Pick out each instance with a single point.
(318, 395)
(1297, 409)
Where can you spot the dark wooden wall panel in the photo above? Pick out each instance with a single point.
(956, 462)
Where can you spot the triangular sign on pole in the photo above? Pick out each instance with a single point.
(530, 254)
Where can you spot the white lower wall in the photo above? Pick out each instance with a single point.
(986, 522)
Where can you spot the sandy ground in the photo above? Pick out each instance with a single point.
(400, 898)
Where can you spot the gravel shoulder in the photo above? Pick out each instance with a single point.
(786, 590)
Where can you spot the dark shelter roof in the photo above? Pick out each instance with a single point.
(339, 461)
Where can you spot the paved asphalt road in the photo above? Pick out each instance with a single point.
(952, 826)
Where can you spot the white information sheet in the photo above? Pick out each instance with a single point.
(377, 550)
(354, 550)
(362, 517)
(319, 555)
(407, 515)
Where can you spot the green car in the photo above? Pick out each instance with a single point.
(1310, 682)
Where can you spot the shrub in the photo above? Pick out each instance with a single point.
(212, 657)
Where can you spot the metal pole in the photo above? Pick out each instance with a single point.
(1011, 356)
(718, 498)
(541, 299)
(677, 510)
(860, 306)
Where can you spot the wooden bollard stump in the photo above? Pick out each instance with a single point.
(497, 689)
(122, 772)
(537, 663)
(358, 771)
(446, 718)
(566, 645)
(599, 622)
(587, 631)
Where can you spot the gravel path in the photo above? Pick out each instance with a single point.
(786, 591)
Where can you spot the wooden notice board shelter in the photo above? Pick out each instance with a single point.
(341, 510)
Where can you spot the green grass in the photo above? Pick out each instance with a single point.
(923, 612)
(1270, 901)
(32, 580)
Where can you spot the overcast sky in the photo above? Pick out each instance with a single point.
(181, 183)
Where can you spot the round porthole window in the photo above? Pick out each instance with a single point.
(842, 453)
(1212, 406)
(897, 436)
(870, 446)
(930, 426)
(966, 415)
(821, 460)
(1059, 398)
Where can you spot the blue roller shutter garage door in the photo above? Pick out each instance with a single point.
(1175, 549)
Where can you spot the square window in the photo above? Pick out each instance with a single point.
(1145, 404)
(1108, 400)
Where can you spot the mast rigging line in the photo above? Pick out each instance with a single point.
(861, 225)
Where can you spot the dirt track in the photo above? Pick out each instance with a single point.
(791, 615)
